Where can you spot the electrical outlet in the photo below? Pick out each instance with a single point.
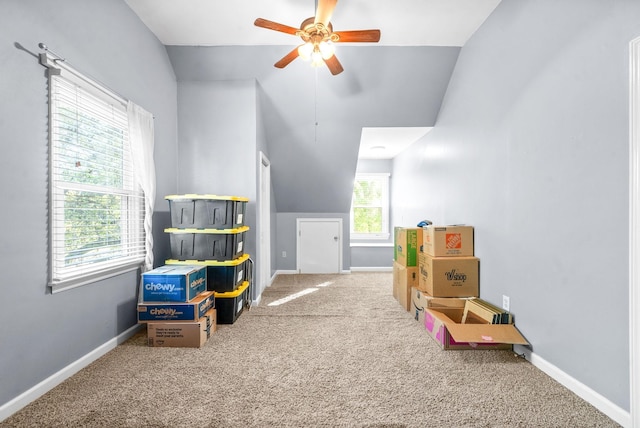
(284, 254)
(505, 302)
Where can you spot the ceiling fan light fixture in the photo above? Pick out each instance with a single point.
(305, 51)
(327, 49)
(318, 37)
(316, 58)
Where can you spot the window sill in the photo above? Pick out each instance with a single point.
(69, 284)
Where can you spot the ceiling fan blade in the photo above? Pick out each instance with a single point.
(371, 36)
(334, 65)
(286, 60)
(324, 11)
(265, 23)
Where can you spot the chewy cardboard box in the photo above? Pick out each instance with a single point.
(407, 242)
(449, 241)
(449, 276)
(176, 311)
(171, 283)
(403, 279)
(420, 301)
(445, 327)
(182, 334)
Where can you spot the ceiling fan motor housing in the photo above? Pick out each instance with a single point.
(313, 32)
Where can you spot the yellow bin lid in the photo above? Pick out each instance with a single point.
(216, 197)
(209, 231)
(234, 262)
(231, 294)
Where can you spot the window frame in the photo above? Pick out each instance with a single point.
(385, 234)
(130, 194)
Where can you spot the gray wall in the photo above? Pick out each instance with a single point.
(218, 150)
(372, 257)
(42, 333)
(532, 148)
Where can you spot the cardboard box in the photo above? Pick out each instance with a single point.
(407, 242)
(420, 300)
(404, 278)
(396, 272)
(182, 334)
(449, 276)
(173, 283)
(445, 327)
(447, 241)
(176, 311)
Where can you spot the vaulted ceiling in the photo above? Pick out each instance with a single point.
(227, 23)
(316, 123)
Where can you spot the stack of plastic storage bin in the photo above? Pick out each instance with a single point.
(209, 230)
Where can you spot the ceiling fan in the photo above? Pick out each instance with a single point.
(318, 37)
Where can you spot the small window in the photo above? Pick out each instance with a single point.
(370, 207)
(96, 205)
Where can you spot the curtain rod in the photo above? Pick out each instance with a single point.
(55, 62)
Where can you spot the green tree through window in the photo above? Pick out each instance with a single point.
(370, 206)
(367, 206)
(91, 154)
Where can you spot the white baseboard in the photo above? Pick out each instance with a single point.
(372, 269)
(601, 403)
(55, 379)
(256, 301)
(353, 269)
(286, 272)
(295, 272)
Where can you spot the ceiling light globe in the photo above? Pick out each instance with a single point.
(305, 50)
(327, 49)
(316, 59)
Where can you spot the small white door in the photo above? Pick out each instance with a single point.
(319, 245)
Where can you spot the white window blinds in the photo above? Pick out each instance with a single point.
(96, 204)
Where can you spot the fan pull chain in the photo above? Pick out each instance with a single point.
(315, 107)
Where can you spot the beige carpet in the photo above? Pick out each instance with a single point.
(346, 355)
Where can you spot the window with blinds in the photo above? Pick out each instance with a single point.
(96, 204)
(370, 207)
